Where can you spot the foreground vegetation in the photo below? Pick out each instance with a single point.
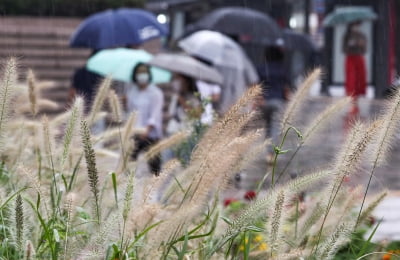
(68, 194)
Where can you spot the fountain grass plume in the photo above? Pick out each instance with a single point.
(29, 252)
(370, 208)
(338, 238)
(6, 95)
(68, 209)
(309, 221)
(356, 143)
(214, 171)
(166, 143)
(384, 139)
(71, 128)
(128, 196)
(34, 181)
(93, 176)
(385, 135)
(60, 119)
(115, 105)
(257, 208)
(99, 99)
(19, 222)
(298, 99)
(48, 141)
(229, 126)
(276, 222)
(348, 161)
(325, 117)
(126, 143)
(32, 92)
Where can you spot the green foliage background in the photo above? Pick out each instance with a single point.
(62, 7)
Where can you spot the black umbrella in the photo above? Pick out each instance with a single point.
(243, 24)
(297, 41)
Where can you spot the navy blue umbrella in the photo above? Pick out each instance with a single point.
(117, 28)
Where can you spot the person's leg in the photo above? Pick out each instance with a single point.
(140, 145)
(268, 111)
(143, 144)
(155, 164)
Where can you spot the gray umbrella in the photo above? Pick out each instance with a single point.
(245, 24)
(186, 65)
(300, 42)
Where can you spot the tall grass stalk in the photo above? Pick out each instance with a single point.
(93, 176)
(385, 138)
(325, 117)
(99, 99)
(19, 222)
(32, 92)
(6, 95)
(298, 99)
(348, 161)
(70, 131)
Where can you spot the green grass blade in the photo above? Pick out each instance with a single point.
(115, 188)
(9, 198)
(184, 247)
(368, 241)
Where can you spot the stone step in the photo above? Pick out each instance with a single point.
(52, 63)
(36, 42)
(43, 53)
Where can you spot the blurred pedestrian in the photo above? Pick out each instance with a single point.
(276, 87)
(147, 100)
(85, 83)
(354, 47)
(185, 105)
(210, 94)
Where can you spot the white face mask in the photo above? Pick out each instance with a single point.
(142, 78)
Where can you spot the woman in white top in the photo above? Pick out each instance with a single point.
(147, 100)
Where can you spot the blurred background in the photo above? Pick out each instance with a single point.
(38, 31)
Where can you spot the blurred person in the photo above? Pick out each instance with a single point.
(354, 47)
(85, 83)
(276, 88)
(185, 105)
(147, 100)
(210, 93)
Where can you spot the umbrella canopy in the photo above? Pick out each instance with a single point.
(348, 15)
(213, 47)
(186, 65)
(119, 64)
(117, 28)
(247, 25)
(297, 41)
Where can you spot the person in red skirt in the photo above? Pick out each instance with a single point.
(354, 47)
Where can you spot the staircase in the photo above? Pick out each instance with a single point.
(42, 45)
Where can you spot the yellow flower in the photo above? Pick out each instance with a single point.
(263, 246)
(241, 248)
(258, 238)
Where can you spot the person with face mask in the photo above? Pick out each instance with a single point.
(185, 104)
(354, 47)
(147, 101)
